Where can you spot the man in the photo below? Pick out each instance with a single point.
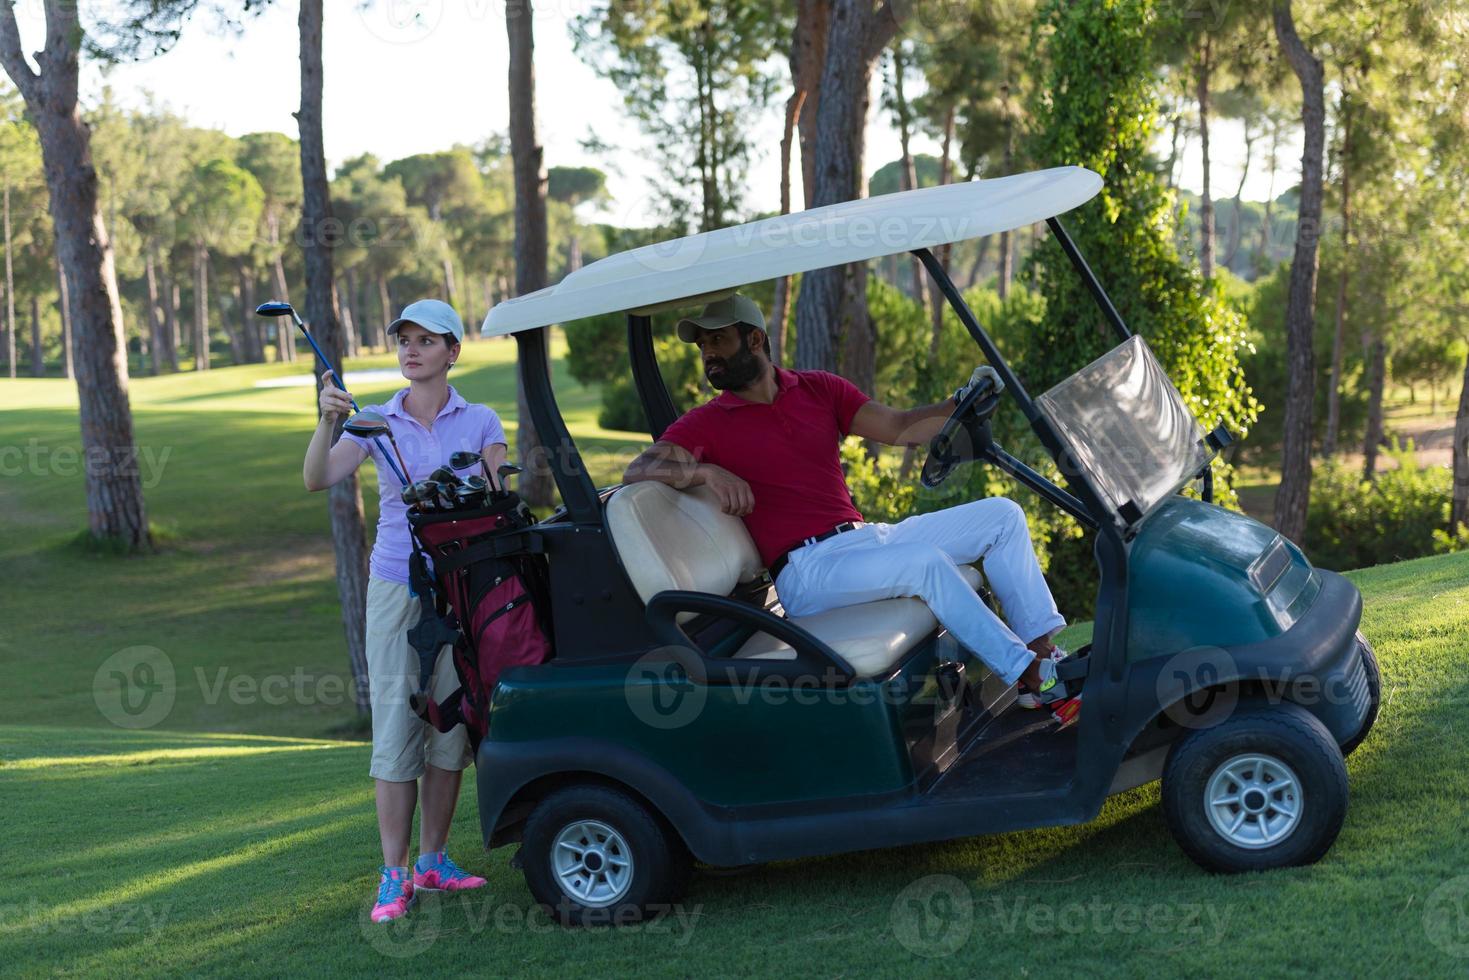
(768, 449)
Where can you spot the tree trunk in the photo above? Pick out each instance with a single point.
(351, 342)
(158, 346)
(63, 303)
(981, 250)
(451, 294)
(1338, 337)
(232, 333)
(115, 509)
(385, 303)
(1376, 379)
(201, 308)
(1236, 231)
(908, 173)
(38, 356)
(808, 57)
(171, 319)
(349, 536)
(285, 329)
(249, 322)
(9, 291)
(530, 225)
(832, 321)
(711, 201)
(1206, 207)
(780, 308)
(1266, 232)
(1295, 469)
(1170, 167)
(352, 310)
(1459, 508)
(372, 330)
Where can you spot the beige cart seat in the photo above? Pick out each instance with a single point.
(671, 539)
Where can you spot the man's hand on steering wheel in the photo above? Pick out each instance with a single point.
(980, 374)
(980, 395)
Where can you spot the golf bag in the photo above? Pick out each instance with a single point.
(488, 595)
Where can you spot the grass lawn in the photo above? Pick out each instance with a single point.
(236, 834)
(246, 584)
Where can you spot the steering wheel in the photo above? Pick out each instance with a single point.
(965, 434)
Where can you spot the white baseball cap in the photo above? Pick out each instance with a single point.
(433, 315)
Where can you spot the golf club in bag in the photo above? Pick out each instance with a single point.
(488, 594)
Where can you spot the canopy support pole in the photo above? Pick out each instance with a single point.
(1087, 276)
(577, 492)
(647, 378)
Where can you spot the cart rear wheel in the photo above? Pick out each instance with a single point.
(1374, 694)
(594, 855)
(1265, 789)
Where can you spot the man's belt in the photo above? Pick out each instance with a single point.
(780, 563)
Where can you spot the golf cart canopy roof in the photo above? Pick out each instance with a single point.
(691, 270)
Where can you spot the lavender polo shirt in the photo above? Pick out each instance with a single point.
(459, 425)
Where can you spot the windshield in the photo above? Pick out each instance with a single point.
(1128, 428)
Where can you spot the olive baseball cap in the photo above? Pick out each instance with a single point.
(433, 315)
(721, 313)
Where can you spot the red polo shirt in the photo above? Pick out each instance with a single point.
(786, 451)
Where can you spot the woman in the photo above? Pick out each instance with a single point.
(430, 421)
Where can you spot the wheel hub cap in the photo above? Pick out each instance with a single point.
(592, 863)
(1254, 801)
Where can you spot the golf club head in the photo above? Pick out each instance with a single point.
(468, 498)
(432, 493)
(410, 495)
(367, 425)
(505, 472)
(425, 498)
(446, 476)
(477, 482)
(275, 308)
(464, 459)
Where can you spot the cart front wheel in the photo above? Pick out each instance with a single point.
(1265, 789)
(594, 855)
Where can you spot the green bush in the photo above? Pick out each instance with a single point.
(1356, 523)
(679, 364)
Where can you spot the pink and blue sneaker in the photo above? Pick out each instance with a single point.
(436, 873)
(394, 895)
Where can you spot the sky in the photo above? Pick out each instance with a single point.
(414, 76)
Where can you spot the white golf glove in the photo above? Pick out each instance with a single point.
(980, 373)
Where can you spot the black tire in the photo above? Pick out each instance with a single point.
(659, 870)
(1374, 692)
(1284, 734)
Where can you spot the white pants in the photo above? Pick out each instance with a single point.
(920, 557)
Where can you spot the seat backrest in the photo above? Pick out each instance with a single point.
(679, 539)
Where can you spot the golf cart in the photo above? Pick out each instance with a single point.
(682, 716)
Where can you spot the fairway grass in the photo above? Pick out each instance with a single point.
(245, 582)
(235, 835)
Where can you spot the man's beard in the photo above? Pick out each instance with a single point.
(739, 371)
